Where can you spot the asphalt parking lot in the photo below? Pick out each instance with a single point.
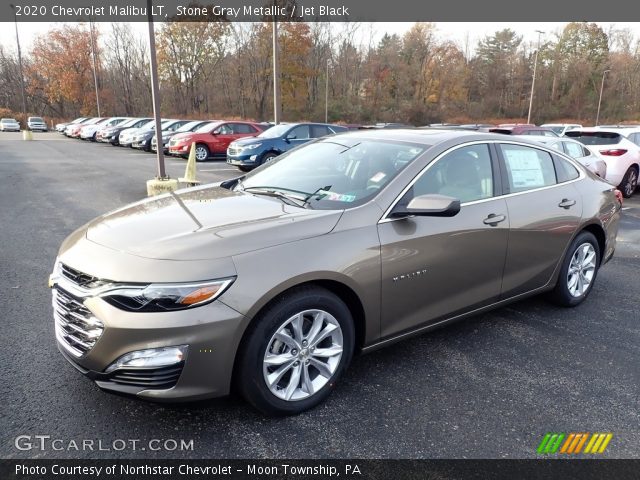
(489, 387)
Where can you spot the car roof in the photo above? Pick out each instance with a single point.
(428, 136)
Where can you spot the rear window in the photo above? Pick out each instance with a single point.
(595, 138)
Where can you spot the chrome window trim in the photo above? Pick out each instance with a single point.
(385, 216)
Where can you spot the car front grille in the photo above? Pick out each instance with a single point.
(77, 329)
(233, 151)
(148, 378)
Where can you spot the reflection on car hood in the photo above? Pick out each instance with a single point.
(206, 223)
(250, 140)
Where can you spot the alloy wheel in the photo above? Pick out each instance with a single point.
(632, 183)
(581, 270)
(303, 355)
(201, 153)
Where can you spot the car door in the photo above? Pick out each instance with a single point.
(435, 267)
(297, 136)
(544, 210)
(220, 139)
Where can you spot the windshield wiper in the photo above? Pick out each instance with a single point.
(275, 192)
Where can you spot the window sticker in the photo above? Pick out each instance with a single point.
(337, 197)
(526, 169)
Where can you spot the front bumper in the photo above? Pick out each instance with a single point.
(179, 150)
(142, 144)
(248, 159)
(209, 331)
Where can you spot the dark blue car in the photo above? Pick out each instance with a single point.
(249, 153)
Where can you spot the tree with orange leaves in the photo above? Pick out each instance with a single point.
(60, 71)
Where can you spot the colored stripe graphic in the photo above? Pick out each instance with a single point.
(573, 443)
(551, 442)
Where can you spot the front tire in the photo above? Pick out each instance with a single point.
(295, 352)
(268, 157)
(202, 152)
(629, 182)
(578, 271)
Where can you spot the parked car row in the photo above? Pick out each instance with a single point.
(33, 124)
(610, 152)
(241, 143)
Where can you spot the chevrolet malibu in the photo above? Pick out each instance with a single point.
(270, 282)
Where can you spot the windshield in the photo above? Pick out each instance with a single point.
(276, 131)
(556, 129)
(37, 119)
(187, 127)
(207, 127)
(9, 120)
(129, 122)
(330, 175)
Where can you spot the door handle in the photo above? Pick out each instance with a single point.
(566, 203)
(494, 219)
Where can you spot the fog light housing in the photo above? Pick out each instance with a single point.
(150, 358)
(253, 158)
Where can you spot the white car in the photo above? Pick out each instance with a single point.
(577, 150)
(36, 123)
(89, 132)
(60, 127)
(621, 154)
(561, 128)
(127, 135)
(9, 125)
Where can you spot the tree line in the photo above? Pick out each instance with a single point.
(224, 70)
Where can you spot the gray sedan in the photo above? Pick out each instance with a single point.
(272, 281)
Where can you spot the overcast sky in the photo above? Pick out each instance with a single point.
(463, 33)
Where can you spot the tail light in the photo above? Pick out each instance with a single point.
(614, 152)
(618, 195)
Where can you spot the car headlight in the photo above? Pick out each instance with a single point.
(253, 146)
(163, 297)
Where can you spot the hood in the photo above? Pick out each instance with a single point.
(206, 223)
(251, 140)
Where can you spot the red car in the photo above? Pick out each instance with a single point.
(213, 139)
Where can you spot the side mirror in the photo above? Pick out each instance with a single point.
(431, 205)
(291, 136)
(215, 132)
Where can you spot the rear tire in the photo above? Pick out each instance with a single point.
(288, 338)
(629, 182)
(578, 271)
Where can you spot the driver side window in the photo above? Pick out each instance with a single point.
(465, 174)
(301, 132)
(224, 130)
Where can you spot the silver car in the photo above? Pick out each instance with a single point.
(348, 243)
(9, 125)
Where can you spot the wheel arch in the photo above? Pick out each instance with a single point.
(343, 291)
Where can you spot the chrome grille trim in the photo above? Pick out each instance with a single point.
(233, 151)
(77, 330)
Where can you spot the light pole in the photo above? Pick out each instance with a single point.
(326, 94)
(155, 91)
(276, 76)
(24, 97)
(95, 71)
(533, 83)
(600, 99)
